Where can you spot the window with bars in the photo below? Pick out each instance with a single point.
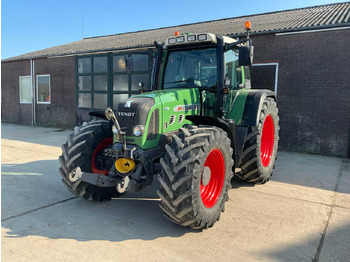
(128, 71)
(92, 82)
(105, 80)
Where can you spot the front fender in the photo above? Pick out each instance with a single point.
(227, 126)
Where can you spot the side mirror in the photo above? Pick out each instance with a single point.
(245, 56)
(141, 86)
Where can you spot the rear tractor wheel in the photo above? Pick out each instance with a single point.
(260, 146)
(195, 177)
(83, 152)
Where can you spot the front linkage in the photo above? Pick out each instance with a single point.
(133, 167)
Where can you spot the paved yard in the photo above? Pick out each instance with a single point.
(302, 214)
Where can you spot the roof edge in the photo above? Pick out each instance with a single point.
(301, 29)
(215, 20)
(80, 53)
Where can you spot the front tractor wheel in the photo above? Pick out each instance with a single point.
(195, 177)
(83, 152)
(260, 146)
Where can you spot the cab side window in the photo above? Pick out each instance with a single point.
(247, 77)
(233, 73)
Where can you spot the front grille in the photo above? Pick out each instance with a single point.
(132, 112)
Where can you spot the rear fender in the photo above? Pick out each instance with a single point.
(250, 117)
(253, 106)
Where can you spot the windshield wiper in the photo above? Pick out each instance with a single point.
(180, 81)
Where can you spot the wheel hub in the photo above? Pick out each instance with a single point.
(99, 150)
(206, 176)
(213, 178)
(267, 141)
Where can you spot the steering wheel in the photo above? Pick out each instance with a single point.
(200, 77)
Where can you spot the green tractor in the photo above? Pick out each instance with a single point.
(199, 127)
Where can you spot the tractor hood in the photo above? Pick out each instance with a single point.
(157, 112)
(176, 100)
(176, 104)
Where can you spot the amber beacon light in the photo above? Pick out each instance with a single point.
(248, 25)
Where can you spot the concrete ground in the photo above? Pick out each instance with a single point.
(302, 214)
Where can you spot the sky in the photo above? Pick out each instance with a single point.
(30, 25)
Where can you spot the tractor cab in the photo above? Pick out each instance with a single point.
(216, 65)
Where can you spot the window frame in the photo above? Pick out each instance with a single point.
(276, 71)
(37, 89)
(128, 55)
(92, 74)
(31, 91)
(110, 75)
(200, 48)
(239, 77)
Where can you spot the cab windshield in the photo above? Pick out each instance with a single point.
(191, 68)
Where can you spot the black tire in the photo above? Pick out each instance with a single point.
(254, 167)
(78, 152)
(181, 176)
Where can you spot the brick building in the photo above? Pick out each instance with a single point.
(302, 54)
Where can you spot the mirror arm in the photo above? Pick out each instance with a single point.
(230, 46)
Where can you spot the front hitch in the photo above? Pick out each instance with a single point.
(133, 167)
(100, 180)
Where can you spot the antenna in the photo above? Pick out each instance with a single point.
(82, 21)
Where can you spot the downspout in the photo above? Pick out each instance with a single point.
(32, 76)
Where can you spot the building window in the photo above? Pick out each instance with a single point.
(25, 90)
(43, 89)
(105, 80)
(92, 82)
(128, 70)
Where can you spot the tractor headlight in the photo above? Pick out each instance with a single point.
(202, 37)
(172, 40)
(180, 39)
(191, 38)
(138, 130)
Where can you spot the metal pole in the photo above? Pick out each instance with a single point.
(31, 87)
(32, 76)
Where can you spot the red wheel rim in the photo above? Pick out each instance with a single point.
(100, 147)
(212, 191)
(267, 141)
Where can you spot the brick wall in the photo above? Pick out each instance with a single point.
(313, 89)
(61, 111)
(11, 109)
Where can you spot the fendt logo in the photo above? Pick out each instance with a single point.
(126, 114)
(128, 103)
